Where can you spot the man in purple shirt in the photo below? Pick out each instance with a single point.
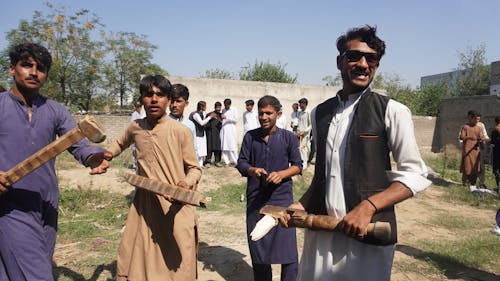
(269, 157)
(28, 208)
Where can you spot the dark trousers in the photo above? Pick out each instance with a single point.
(217, 154)
(263, 272)
(313, 151)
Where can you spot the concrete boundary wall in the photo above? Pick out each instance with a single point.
(453, 115)
(115, 126)
(212, 90)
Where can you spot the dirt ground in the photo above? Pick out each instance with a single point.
(223, 248)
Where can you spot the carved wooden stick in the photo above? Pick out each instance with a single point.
(300, 218)
(180, 194)
(88, 127)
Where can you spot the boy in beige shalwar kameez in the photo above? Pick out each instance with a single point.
(159, 241)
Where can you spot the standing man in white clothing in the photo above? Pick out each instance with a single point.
(355, 131)
(200, 122)
(228, 134)
(294, 117)
(137, 114)
(250, 117)
(483, 153)
(304, 132)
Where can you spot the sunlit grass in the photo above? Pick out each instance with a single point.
(227, 197)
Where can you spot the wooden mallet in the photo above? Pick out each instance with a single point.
(301, 219)
(87, 127)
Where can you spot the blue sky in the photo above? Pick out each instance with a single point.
(422, 37)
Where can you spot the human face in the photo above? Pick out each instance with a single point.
(29, 76)
(177, 106)
(227, 106)
(357, 70)
(268, 117)
(155, 103)
(249, 108)
(473, 119)
(303, 106)
(217, 108)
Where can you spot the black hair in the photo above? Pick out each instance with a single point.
(269, 100)
(303, 100)
(367, 34)
(249, 102)
(217, 103)
(227, 101)
(200, 105)
(24, 51)
(180, 90)
(497, 120)
(159, 81)
(472, 113)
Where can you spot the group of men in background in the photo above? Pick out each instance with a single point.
(215, 132)
(478, 150)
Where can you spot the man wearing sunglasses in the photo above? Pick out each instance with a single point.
(355, 132)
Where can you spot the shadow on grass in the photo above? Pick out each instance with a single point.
(62, 271)
(227, 262)
(449, 266)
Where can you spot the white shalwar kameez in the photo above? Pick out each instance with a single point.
(201, 142)
(250, 121)
(229, 144)
(333, 255)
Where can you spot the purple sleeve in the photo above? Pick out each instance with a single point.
(82, 149)
(294, 152)
(245, 155)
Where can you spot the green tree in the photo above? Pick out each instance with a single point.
(267, 72)
(4, 68)
(217, 74)
(333, 81)
(91, 80)
(67, 37)
(131, 56)
(474, 72)
(429, 98)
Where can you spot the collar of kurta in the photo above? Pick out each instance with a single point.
(37, 99)
(163, 119)
(174, 117)
(354, 96)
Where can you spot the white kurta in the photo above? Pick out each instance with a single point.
(281, 122)
(228, 130)
(250, 121)
(201, 142)
(304, 140)
(333, 255)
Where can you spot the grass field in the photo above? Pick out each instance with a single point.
(90, 223)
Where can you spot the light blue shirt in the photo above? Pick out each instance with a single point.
(191, 126)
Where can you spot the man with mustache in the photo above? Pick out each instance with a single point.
(29, 208)
(159, 241)
(355, 131)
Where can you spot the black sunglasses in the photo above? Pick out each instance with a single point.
(354, 56)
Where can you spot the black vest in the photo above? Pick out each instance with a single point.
(200, 130)
(366, 159)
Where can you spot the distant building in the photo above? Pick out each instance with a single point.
(447, 77)
(452, 78)
(495, 78)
